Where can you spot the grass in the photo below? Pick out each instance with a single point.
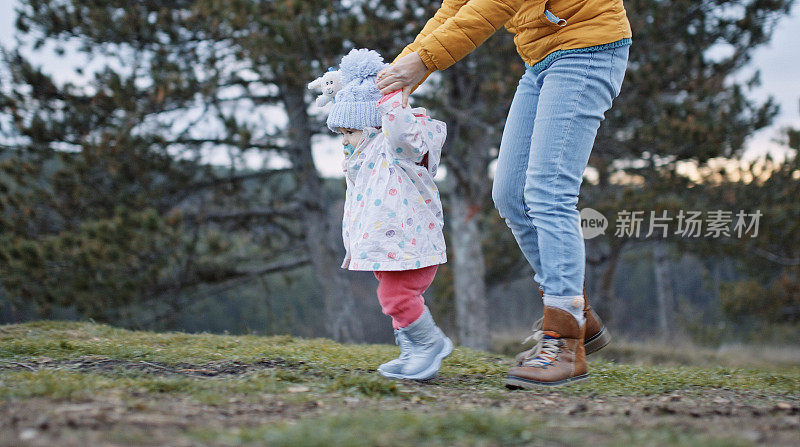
(471, 427)
(679, 352)
(325, 393)
(398, 428)
(335, 366)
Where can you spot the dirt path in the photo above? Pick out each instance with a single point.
(170, 418)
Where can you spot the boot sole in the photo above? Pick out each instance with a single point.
(429, 372)
(516, 383)
(597, 342)
(384, 372)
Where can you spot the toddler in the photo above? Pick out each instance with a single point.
(392, 223)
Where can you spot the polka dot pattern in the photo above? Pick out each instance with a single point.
(392, 206)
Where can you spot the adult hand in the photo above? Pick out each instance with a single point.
(403, 75)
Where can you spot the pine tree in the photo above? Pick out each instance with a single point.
(182, 79)
(681, 101)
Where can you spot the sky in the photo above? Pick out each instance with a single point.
(778, 62)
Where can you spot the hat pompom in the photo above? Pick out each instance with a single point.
(360, 64)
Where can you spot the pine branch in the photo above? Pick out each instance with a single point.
(289, 211)
(776, 258)
(227, 142)
(237, 178)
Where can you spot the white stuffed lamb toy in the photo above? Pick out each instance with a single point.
(329, 84)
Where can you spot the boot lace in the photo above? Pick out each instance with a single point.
(537, 337)
(549, 347)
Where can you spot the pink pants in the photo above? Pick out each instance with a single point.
(400, 293)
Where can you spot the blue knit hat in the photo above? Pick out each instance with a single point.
(356, 104)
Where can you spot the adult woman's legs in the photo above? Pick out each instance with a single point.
(548, 136)
(572, 94)
(512, 164)
(576, 91)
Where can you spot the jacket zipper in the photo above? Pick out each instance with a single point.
(554, 19)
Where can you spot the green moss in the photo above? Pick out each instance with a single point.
(612, 379)
(62, 384)
(332, 365)
(370, 386)
(52, 383)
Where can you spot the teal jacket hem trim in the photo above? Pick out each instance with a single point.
(544, 63)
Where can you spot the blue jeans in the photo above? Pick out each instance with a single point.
(549, 133)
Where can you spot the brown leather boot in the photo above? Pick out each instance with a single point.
(597, 336)
(561, 359)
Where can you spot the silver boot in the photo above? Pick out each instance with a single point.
(428, 346)
(394, 367)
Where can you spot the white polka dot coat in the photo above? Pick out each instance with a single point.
(393, 214)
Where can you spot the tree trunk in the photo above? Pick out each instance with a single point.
(606, 305)
(341, 321)
(321, 236)
(663, 284)
(468, 273)
(594, 262)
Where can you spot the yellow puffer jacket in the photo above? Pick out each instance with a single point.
(459, 26)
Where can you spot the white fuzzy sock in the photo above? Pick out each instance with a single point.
(572, 304)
